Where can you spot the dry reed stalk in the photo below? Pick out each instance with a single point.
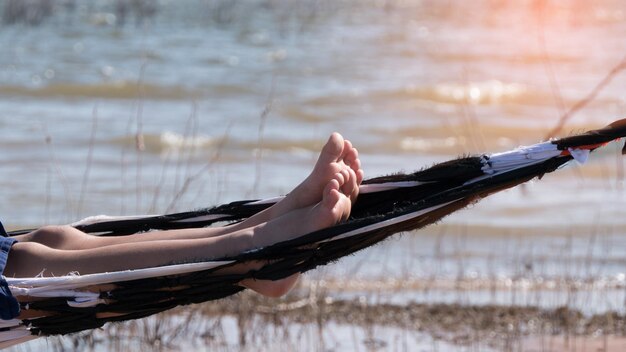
(588, 98)
(88, 161)
(54, 164)
(192, 178)
(260, 138)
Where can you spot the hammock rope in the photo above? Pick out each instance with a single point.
(386, 205)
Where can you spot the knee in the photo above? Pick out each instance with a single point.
(53, 236)
(50, 231)
(29, 259)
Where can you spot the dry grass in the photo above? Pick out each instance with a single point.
(251, 322)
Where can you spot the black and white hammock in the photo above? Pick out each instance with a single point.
(386, 205)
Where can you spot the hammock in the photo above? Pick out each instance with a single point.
(386, 205)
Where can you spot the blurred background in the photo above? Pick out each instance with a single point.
(139, 106)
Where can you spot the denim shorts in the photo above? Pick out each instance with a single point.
(9, 307)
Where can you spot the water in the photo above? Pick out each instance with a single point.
(212, 101)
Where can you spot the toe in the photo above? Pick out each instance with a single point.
(341, 178)
(347, 148)
(333, 185)
(359, 176)
(344, 206)
(356, 167)
(348, 185)
(332, 195)
(333, 149)
(351, 157)
(352, 187)
(345, 173)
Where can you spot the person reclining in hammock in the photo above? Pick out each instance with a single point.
(323, 199)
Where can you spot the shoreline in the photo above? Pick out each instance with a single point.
(251, 322)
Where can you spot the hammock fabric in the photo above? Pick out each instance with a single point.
(386, 205)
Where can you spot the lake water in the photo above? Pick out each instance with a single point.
(207, 102)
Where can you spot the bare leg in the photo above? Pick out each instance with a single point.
(337, 156)
(344, 183)
(31, 258)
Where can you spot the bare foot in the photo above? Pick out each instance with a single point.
(334, 207)
(338, 156)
